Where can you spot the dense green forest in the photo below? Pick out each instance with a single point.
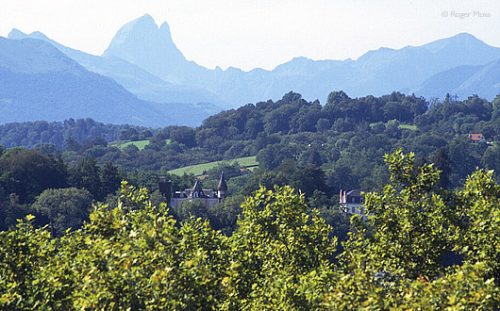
(316, 149)
(430, 242)
(421, 248)
(69, 135)
(344, 134)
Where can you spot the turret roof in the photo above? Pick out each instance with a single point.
(222, 183)
(198, 188)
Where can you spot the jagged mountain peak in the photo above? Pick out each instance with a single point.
(465, 35)
(38, 35)
(165, 28)
(146, 17)
(374, 54)
(144, 21)
(142, 27)
(34, 56)
(16, 34)
(135, 79)
(145, 44)
(462, 40)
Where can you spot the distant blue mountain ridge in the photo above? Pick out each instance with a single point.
(135, 79)
(39, 82)
(144, 60)
(143, 43)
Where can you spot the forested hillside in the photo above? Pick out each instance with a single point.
(316, 149)
(420, 249)
(64, 135)
(430, 240)
(350, 132)
(346, 137)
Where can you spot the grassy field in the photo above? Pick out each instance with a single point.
(247, 162)
(410, 127)
(140, 144)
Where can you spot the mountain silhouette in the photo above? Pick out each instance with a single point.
(41, 83)
(151, 47)
(138, 81)
(145, 79)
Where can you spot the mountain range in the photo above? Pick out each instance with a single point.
(143, 71)
(37, 82)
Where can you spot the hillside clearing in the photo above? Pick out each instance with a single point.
(140, 144)
(199, 169)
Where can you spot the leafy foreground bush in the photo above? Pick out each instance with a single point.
(281, 257)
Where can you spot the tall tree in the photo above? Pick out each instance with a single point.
(63, 208)
(27, 173)
(86, 174)
(110, 179)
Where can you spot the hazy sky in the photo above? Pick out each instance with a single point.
(259, 33)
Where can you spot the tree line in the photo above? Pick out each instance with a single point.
(317, 149)
(421, 248)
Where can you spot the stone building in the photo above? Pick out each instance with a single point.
(209, 197)
(351, 202)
